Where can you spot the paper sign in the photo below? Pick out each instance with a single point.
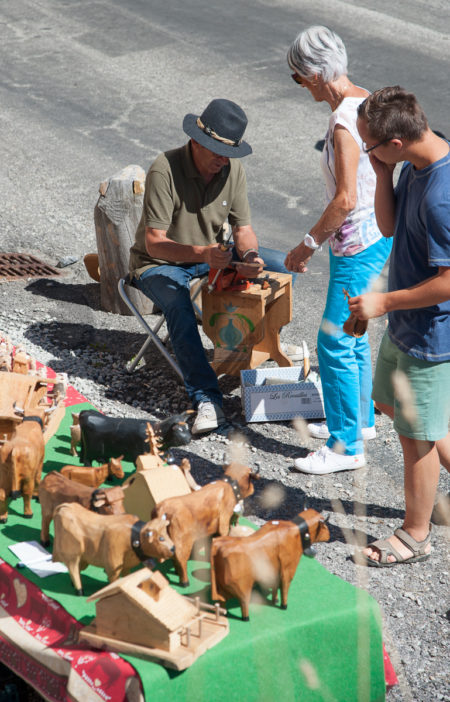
(35, 557)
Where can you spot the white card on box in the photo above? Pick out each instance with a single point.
(287, 400)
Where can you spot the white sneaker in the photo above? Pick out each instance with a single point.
(292, 351)
(209, 417)
(327, 461)
(320, 431)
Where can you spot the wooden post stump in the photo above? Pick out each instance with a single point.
(116, 216)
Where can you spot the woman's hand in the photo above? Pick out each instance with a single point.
(297, 258)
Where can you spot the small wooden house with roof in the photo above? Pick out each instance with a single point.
(150, 485)
(143, 615)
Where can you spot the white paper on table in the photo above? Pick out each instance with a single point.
(35, 557)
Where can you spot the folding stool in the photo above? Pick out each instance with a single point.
(152, 334)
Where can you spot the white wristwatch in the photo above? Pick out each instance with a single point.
(310, 242)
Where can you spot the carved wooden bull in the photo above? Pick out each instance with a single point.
(55, 489)
(268, 557)
(103, 437)
(204, 512)
(116, 543)
(21, 460)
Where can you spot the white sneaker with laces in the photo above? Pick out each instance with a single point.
(209, 417)
(327, 461)
(320, 431)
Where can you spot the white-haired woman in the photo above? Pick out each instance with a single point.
(357, 252)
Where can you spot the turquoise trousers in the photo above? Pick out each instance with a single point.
(344, 361)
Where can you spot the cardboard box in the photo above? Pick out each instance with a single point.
(265, 400)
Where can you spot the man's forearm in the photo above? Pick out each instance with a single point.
(244, 239)
(173, 252)
(430, 292)
(159, 246)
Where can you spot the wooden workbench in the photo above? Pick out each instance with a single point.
(244, 325)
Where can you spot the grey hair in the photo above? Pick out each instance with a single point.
(318, 51)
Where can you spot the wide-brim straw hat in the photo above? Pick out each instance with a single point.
(220, 129)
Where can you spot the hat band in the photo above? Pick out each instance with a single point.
(210, 132)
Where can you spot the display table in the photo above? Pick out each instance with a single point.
(326, 645)
(244, 325)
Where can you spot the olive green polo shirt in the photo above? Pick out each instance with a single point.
(178, 201)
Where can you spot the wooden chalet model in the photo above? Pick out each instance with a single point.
(143, 615)
(145, 488)
(153, 481)
(21, 393)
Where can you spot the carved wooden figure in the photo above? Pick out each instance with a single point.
(204, 512)
(116, 543)
(143, 616)
(103, 437)
(185, 466)
(94, 476)
(147, 487)
(21, 460)
(5, 357)
(22, 362)
(269, 557)
(75, 438)
(55, 489)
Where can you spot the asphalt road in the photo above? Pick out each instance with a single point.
(89, 87)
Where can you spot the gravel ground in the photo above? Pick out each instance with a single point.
(60, 323)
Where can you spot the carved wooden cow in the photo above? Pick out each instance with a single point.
(55, 489)
(21, 460)
(116, 543)
(75, 438)
(103, 437)
(204, 512)
(268, 557)
(94, 476)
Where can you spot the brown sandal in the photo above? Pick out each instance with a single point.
(386, 549)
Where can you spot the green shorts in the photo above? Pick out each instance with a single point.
(419, 392)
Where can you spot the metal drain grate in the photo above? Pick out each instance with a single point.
(14, 265)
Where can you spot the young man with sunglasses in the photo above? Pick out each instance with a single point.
(412, 379)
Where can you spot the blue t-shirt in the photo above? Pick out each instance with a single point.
(421, 245)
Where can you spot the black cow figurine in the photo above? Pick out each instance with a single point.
(104, 437)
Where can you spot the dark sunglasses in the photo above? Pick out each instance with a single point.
(371, 148)
(296, 78)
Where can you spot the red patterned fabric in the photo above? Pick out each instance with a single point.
(73, 397)
(40, 629)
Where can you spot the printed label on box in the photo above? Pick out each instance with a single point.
(289, 399)
(285, 401)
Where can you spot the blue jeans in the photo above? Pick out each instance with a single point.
(168, 286)
(344, 361)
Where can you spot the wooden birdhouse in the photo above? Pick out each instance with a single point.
(143, 615)
(145, 488)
